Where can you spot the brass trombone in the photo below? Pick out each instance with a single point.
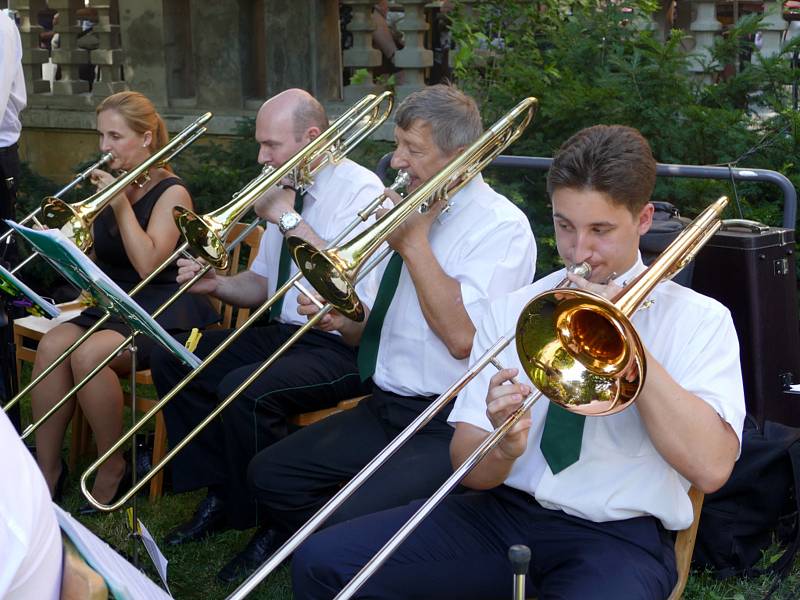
(588, 328)
(328, 148)
(206, 234)
(32, 216)
(332, 272)
(75, 220)
(358, 121)
(570, 343)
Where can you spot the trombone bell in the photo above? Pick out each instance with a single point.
(71, 221)
(201, 236)
(573, 345)
(329, 272)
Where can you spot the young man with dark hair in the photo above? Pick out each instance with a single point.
(447, 267)
(598, 509)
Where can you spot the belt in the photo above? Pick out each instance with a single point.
(12, 149)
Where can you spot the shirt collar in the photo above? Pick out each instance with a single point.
(321, 179)
(631, 273)
(458, 200)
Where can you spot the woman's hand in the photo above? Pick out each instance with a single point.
(101, 179)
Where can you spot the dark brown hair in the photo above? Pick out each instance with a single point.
(612, 159)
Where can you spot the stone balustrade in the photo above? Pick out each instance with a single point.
(228, 56)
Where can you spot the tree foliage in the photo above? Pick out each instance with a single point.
(591, 63)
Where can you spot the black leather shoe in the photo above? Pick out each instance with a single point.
(208, 517)
(260, 547)
(87, 510)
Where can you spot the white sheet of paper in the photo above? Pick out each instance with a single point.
(159, 560)
(123, 579)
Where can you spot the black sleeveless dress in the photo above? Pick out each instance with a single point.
(188, 311)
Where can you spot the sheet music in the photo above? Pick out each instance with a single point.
(159, 560)
(123, 579)
(79, 270)
(48, 308)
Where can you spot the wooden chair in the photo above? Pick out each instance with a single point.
(78, 580)
(684, 545)
(303, 419)
(227, 313)
(29, 330)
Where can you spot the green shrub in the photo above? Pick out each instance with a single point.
(589, 65)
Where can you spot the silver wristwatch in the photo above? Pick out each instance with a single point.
(288, 221)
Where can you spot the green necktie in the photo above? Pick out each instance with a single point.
(368, 348)
(561, 438)
(284, 262)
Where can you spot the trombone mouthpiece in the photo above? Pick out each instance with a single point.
(581, 270)
(402, 180)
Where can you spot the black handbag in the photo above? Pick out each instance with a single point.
(757, 506)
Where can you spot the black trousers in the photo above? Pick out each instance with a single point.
(318, 371)
(461, 552)
(295, 477)
(9, 183)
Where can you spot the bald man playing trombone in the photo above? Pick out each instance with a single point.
(317, 372)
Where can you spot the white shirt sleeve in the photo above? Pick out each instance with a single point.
(470, 406)
(8, 56)
(488, 269)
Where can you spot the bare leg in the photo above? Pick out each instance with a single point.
(50, 436)
(101, 401)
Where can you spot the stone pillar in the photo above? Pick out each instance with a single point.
(216, 40)
(704, 27)
(179, 54)
(772, 28)
(33, 57)
(108, 56)
(303, 47)
(414, 58)
(142, 27)
(68, 55)
(361, 55)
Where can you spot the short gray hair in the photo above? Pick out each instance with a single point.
(308, 113)
(453, 116)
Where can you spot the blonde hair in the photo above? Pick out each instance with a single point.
(140, 115)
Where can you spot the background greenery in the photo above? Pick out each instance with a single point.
(587, 65)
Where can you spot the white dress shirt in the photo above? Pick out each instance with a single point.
(331, 204)
(620, 474)
(30, 540)
(486, 244)
(12, 82)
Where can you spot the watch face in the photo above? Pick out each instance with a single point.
(288, 221)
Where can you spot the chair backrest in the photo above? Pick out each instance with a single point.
(684, 545)
(242, 256)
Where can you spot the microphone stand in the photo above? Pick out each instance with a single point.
(520, 557)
